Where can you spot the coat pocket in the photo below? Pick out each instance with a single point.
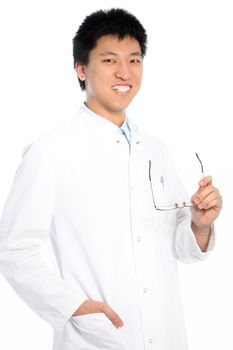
(98, 332)
(164, 218)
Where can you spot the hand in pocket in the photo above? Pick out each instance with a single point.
(93, 306)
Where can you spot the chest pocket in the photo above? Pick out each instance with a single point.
(162, 199)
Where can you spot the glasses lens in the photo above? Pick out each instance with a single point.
(166, 207)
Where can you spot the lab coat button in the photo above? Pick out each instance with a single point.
(137, 143)
(139, 239)
(145, 290)
(150, 341)
(118, 141)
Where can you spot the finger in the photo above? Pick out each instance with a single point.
(205, 181)
(214, 204)
(203, 193)
(112, 315)
(210, 201)
(206, 191)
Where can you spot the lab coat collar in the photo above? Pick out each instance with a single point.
(98, 122)
(105, 128)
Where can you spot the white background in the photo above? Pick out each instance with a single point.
(186, 100)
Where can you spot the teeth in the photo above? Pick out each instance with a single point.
(121, 88)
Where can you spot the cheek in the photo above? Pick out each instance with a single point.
(97, 79)
(138, 77)
(92, 83)
(137, 83)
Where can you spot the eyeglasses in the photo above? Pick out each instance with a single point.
(175, 205)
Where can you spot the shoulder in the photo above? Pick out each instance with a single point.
(54, 143)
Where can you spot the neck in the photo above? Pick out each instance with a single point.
(117, 118)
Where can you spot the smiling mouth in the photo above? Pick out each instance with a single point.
(122, 88)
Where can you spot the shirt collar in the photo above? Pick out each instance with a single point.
(104, 124)
(108, 130)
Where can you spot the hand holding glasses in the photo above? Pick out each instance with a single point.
(175, 205)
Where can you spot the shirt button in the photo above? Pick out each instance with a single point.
(145, 290)
(150, 341)
(139, 239)
(131, 188)
(117, 141)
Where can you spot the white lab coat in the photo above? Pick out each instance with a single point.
(78, 191)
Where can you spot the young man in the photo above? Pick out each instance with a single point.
(104, 193)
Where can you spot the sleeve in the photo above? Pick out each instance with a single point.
(185, 243)
(24, 232)
(186, 246)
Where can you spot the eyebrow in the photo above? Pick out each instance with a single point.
(111, 53)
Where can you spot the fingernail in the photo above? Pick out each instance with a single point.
(120, 324)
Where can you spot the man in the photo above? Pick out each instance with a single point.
(103, 193)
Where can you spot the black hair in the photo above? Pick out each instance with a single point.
(116, 22)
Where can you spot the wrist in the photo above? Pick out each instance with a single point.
(81, 309)
(201, 230)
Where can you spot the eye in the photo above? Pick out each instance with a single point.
(135, 60)
(109, 60)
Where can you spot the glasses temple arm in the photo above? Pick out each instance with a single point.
(151, 187)
(202, 170)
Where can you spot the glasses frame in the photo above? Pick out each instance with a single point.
(175, 205)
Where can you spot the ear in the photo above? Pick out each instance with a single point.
(80, 70)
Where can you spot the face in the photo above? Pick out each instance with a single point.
(112, 76)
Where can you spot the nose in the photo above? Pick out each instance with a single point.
(123, 72)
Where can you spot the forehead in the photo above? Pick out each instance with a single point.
(110, 43)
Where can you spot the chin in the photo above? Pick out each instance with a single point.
(122, 106)
(119, 110)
